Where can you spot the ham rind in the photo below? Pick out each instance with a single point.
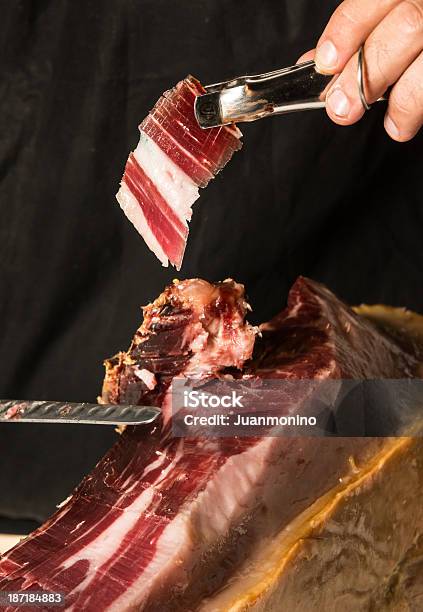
(163, 523)
(358, 547)
(174, 157)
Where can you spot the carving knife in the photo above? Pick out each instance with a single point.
(22, 411)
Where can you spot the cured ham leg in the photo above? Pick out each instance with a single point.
(165, 524)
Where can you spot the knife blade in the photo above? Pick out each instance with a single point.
(23, 411)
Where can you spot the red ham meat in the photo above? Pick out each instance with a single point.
(174, 157)
(162, 523)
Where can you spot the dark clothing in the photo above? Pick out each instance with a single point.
(341, 205)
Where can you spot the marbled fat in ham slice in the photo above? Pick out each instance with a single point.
(162, 522)
(174, 157)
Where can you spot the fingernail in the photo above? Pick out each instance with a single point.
(326, 55)
(391, 128)
(338, 103)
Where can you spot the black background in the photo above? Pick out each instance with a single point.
(341, 205)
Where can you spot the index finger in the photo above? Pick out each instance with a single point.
(347, 29)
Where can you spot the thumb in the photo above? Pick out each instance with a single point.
(306, 57)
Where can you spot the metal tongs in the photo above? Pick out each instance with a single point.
(247, 98)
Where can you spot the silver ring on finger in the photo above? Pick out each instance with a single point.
(360, 79)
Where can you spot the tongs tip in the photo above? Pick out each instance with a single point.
(207, 110)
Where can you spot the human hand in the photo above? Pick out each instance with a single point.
(392, 34)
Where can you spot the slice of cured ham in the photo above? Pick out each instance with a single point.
(174, 157)
(166, 524)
